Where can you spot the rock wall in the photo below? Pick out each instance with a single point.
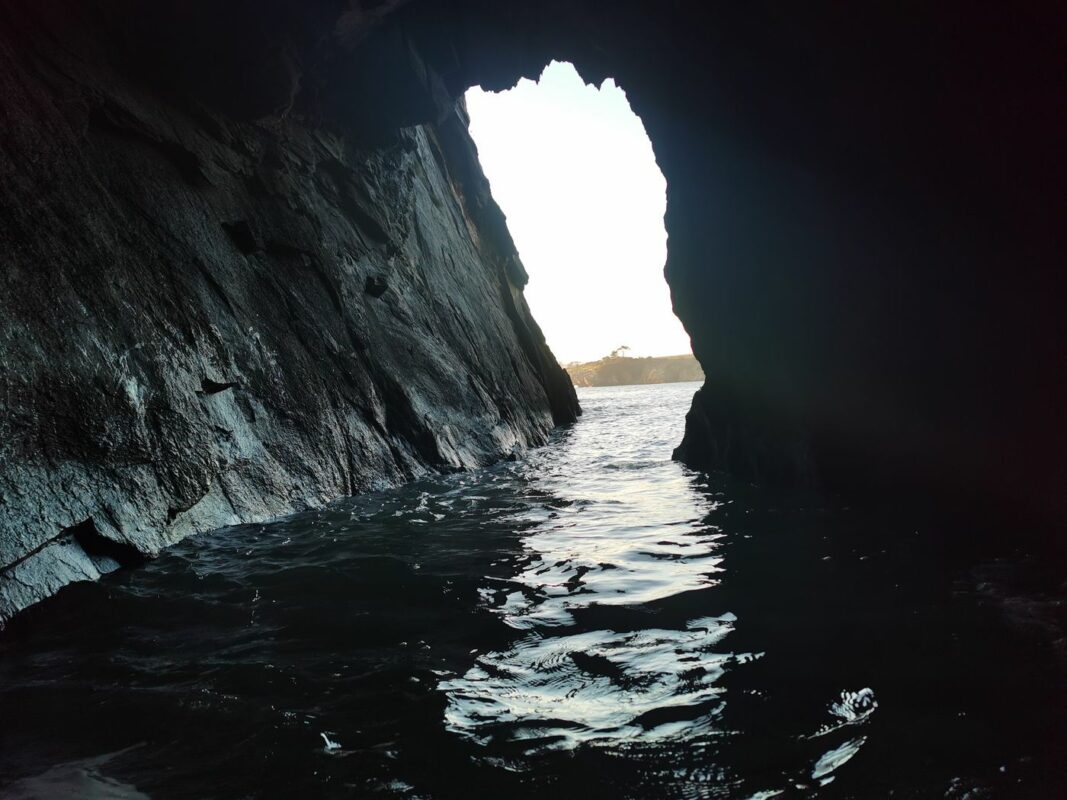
(207, 318)
(865, 229)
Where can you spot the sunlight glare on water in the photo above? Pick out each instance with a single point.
(624, 527)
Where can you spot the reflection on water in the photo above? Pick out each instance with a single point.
(614, 527)
(600, 687)
(595, 621)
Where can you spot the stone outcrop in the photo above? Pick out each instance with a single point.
(250, 261)
(208, 319)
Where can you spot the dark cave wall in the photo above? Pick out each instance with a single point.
(865, 242)
(871, 285)
(212, 316)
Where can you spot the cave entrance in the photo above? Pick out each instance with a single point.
(573, 169)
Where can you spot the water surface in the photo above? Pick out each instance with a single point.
(592, 621)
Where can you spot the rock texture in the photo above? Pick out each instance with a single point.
(250, 261)
(206, 319)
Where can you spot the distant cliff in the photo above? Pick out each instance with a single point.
(623, 371)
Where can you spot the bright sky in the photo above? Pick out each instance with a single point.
(573, 170)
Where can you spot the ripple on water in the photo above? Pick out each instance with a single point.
(623, 528)
(593, 687)
(594, 620)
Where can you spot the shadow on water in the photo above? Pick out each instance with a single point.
(593, 621)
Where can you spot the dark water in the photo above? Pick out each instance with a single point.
(595, 621)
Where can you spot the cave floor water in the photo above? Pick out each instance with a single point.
(592, 621)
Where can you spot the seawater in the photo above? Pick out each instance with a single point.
(594, 620)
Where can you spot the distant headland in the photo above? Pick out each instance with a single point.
(618, 369)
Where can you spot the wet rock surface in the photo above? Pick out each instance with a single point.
(207, 320)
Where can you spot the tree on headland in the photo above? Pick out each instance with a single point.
(619, 352)
(620, 370)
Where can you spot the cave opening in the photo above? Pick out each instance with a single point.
(259, 298)
(573, 169)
